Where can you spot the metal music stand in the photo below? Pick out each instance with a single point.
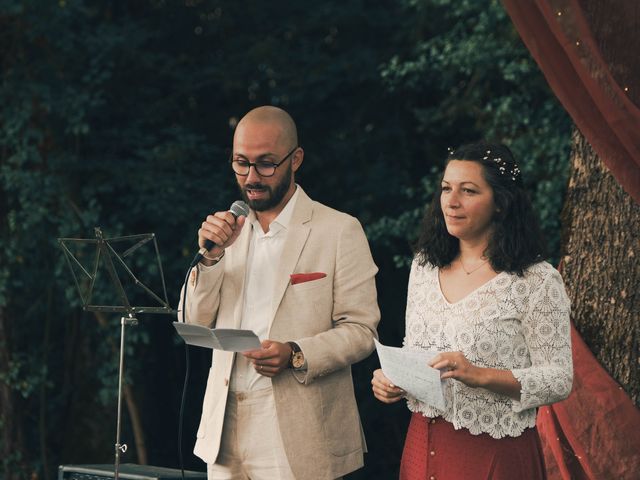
(106, 252)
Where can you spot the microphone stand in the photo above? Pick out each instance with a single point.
(124, 321)
(104, 249)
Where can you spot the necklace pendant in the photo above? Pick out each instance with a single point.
(469, 272)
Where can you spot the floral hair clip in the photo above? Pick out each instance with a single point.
(504, 167)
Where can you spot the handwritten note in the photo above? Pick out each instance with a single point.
(408, 370)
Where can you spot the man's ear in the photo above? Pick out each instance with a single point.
(297, 159)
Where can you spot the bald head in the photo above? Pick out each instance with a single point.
(283, 125)
(265, 137)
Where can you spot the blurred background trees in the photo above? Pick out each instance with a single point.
(121, 114)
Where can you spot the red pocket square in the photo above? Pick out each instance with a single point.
(306, 277)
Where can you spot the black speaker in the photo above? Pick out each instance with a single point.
(128, 471)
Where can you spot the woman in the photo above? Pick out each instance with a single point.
(481, 295)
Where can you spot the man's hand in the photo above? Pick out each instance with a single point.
(222, 228)
(271, 359)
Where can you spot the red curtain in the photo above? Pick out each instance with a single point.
(589, 52)
(595, 433)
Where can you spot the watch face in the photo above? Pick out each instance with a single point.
(298, 360)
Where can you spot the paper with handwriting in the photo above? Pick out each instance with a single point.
(408, 370)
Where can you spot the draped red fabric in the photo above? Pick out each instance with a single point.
(595, 433)
(588, 50)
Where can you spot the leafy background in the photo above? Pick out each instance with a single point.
(120, 114)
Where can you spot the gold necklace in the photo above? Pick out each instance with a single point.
(475, 269)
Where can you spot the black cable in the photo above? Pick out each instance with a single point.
(186, 375)
(184, 396)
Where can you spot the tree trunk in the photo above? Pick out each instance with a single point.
(601, 236)
(11, 438)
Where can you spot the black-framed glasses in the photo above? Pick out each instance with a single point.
(264, 168)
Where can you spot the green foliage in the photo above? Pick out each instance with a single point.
(23, 375)
(120, 115)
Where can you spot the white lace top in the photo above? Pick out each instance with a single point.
(511, 323)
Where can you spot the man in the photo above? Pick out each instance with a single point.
(301, 276)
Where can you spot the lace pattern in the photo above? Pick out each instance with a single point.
(511, 323)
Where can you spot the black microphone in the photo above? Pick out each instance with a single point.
(237, 209)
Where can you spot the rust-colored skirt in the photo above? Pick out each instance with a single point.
(434, 450)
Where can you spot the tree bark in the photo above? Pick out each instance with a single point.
(601, 268)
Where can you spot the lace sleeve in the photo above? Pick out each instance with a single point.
(547, 335)
(410, 308)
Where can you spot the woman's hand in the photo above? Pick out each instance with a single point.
(455, 365)
(384, 390)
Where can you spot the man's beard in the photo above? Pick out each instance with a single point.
(276, 194)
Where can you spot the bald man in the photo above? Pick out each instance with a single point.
(301, 276)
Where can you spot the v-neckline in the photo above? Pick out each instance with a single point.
(471, 293)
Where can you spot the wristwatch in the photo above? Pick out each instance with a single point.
(297, 357)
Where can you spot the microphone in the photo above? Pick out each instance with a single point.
(237, 209)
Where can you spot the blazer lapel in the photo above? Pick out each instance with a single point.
(296, 239)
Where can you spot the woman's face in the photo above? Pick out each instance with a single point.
(467, 201)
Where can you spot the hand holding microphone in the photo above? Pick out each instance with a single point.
(220, 230)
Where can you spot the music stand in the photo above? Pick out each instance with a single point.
(111, 259)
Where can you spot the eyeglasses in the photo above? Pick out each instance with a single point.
(263, 168)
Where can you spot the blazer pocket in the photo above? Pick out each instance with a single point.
(311, 284)
(296, 278)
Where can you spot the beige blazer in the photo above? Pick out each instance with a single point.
(334, 321)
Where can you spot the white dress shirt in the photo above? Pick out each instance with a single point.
(264, 251)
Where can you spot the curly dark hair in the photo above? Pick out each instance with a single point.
(516, 240)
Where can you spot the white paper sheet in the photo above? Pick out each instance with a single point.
(408, 370)
(228, 339)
